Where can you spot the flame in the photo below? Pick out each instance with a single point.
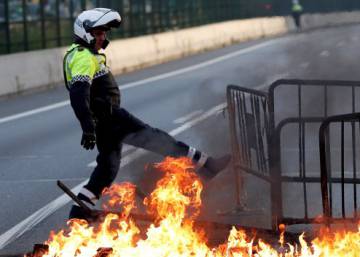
(178, 191)
(120, 197)
(175, 204)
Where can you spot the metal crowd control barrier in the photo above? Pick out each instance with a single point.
(249, 132)
(281, 147)
(343, 181)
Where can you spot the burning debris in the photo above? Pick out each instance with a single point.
(39, 250)
(175, 206)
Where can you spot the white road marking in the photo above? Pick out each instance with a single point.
(220, 112)
(325, 53)
(272, 79)
(188, 117)
(340, 44)
(41, 180)
(148, 80)
(127, 148)
(304, 65)
(201, 65)
(20, 157)
(197, 120)
(36, 217)
(34, 111)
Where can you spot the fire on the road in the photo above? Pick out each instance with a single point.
(175, 203)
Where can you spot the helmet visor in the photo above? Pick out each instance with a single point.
(108, 26)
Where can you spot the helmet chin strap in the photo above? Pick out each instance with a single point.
(92, 44)
(105, 43)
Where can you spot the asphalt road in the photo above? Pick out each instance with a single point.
(184, 97)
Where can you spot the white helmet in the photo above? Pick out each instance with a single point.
(102, 18)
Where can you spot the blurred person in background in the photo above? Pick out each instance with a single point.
(296, 11)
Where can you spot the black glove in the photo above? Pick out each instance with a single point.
(88, 141)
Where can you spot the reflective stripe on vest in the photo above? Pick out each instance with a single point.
(80, 64)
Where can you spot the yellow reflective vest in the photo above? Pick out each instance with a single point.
(80, 64)
(297, 8)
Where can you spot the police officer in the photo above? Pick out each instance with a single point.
(95, 99)
(297, 10)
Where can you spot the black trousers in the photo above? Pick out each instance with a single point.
(297, 19)
(119, 127)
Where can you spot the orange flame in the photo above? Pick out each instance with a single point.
(177, 191)
(175, 203)
(120, 197)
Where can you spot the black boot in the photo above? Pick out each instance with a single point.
(77, 212)
(213, 166)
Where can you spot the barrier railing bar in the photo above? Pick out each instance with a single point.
(246, 141)
(234, 145)
(353, 125)
(239, 125)
(318, 180)
(325, 180)
(299, 128)
(304, 168)
(261, 141)
(257, 126)
(329, 167)
(354, 153)
(342, 171)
